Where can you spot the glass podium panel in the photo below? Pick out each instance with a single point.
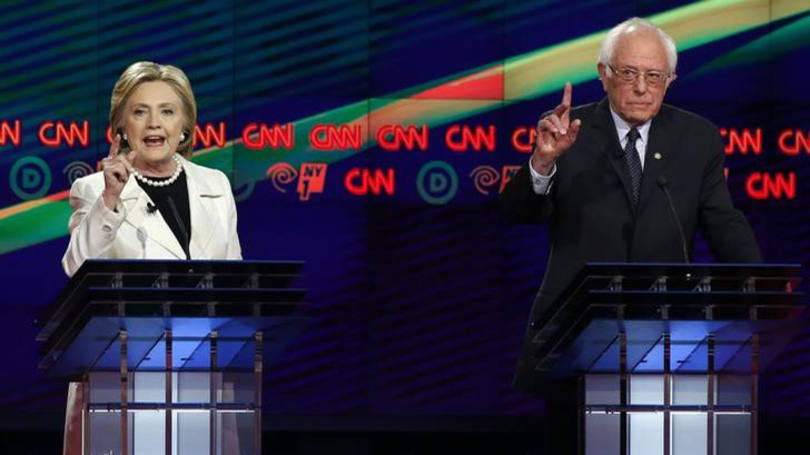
(690, 390)
(734, 390)
(646, 389)
(602, 389)
(646, 432)
(733, 434)
(689, 433)
(106, 435)
(237, 387)
(602, 434)
(148, 387)
(192, 428)
(148, 432)
(235, 431)
(191, 387)
(199, 425)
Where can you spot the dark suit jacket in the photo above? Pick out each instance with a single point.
(591, 216)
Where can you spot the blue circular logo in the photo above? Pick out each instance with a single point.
(437, 182)
(30, 178)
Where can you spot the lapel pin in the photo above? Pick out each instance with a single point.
(657, 156)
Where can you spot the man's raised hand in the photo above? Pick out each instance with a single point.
(555, 134)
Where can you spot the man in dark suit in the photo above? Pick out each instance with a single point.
(600, 173)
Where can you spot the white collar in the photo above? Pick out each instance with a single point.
(622, 127)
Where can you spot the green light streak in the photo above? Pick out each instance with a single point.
(779, 42)
(39, 224)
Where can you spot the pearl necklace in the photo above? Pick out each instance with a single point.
(177, 170)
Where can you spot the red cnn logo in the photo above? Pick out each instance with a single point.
(336, 137)
(743, 141)
(362, 181)
(61, 134)
(8, 133)
(393, 137)
(794, 142)
(523, 139)
(258, 136)
(763, 185)
(207, 135)
(461, 138)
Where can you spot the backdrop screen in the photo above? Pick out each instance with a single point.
(371, 139)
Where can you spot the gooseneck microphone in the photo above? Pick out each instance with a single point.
(662, 182)
(141, 234)
(151, 208)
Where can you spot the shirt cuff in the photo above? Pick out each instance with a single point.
(541, 184)
(111, 220)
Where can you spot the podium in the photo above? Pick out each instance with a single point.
(668, 356)
(169, 353)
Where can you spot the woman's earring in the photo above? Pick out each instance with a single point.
(182, 136)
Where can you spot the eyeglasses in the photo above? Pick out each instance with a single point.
(631, 75)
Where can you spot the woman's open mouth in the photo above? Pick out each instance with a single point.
(154, 141)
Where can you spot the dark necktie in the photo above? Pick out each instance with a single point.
(633, 163)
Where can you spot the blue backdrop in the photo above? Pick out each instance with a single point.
(419, 292)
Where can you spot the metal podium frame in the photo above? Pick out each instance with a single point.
(184, 319)
(701, 324)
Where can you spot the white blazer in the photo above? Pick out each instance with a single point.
(131, 232)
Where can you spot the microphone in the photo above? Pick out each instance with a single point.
(151, 208)
(141, 234)
(662, 182)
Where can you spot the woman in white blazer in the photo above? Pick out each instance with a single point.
(149, 202)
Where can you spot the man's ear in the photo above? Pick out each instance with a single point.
(602, 69)
(671, 79)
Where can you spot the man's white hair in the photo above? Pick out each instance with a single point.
(631, 25)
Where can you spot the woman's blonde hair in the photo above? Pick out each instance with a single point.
(140, 72)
